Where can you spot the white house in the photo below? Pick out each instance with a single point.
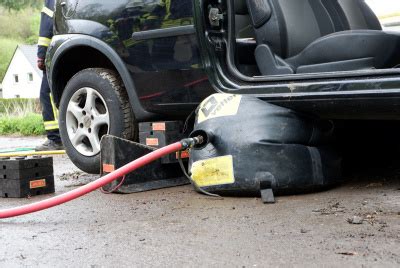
(23, 78)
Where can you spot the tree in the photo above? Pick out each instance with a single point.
(20, 4)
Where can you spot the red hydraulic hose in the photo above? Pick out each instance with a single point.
(119, 173)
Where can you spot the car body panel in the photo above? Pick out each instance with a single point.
(167, 75)
(61, 44)
(168, 69)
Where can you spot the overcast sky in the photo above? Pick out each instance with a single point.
(382, 7)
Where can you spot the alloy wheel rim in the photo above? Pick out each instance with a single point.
(87, 120)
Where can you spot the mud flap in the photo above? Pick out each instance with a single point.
(117, 152)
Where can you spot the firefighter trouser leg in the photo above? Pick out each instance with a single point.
(49, 112)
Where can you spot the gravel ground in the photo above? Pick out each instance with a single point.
(356, 224)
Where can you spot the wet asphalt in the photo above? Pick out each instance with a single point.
(177, 227)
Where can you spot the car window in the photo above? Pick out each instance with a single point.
(388, 13)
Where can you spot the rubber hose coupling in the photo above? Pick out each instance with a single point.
(192, 142)
(207, 137)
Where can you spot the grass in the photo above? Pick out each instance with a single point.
(19, 107)
(22, 25)
(21, 117)
(391, 15)
(16, 28)
(29, 125)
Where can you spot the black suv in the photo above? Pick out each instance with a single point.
(114, 63)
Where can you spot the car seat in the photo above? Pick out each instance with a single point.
(311, 36)
(245, 40)
(243, 26)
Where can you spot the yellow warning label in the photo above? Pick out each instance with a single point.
(218, 105)
(213, 171)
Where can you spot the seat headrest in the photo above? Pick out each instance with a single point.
(241, 7)
(260, 12)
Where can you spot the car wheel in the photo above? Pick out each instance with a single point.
(94, 103)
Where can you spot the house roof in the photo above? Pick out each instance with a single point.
(30, 52)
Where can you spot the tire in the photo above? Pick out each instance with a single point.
(83, 120)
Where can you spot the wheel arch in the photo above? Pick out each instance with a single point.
(80, 52)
